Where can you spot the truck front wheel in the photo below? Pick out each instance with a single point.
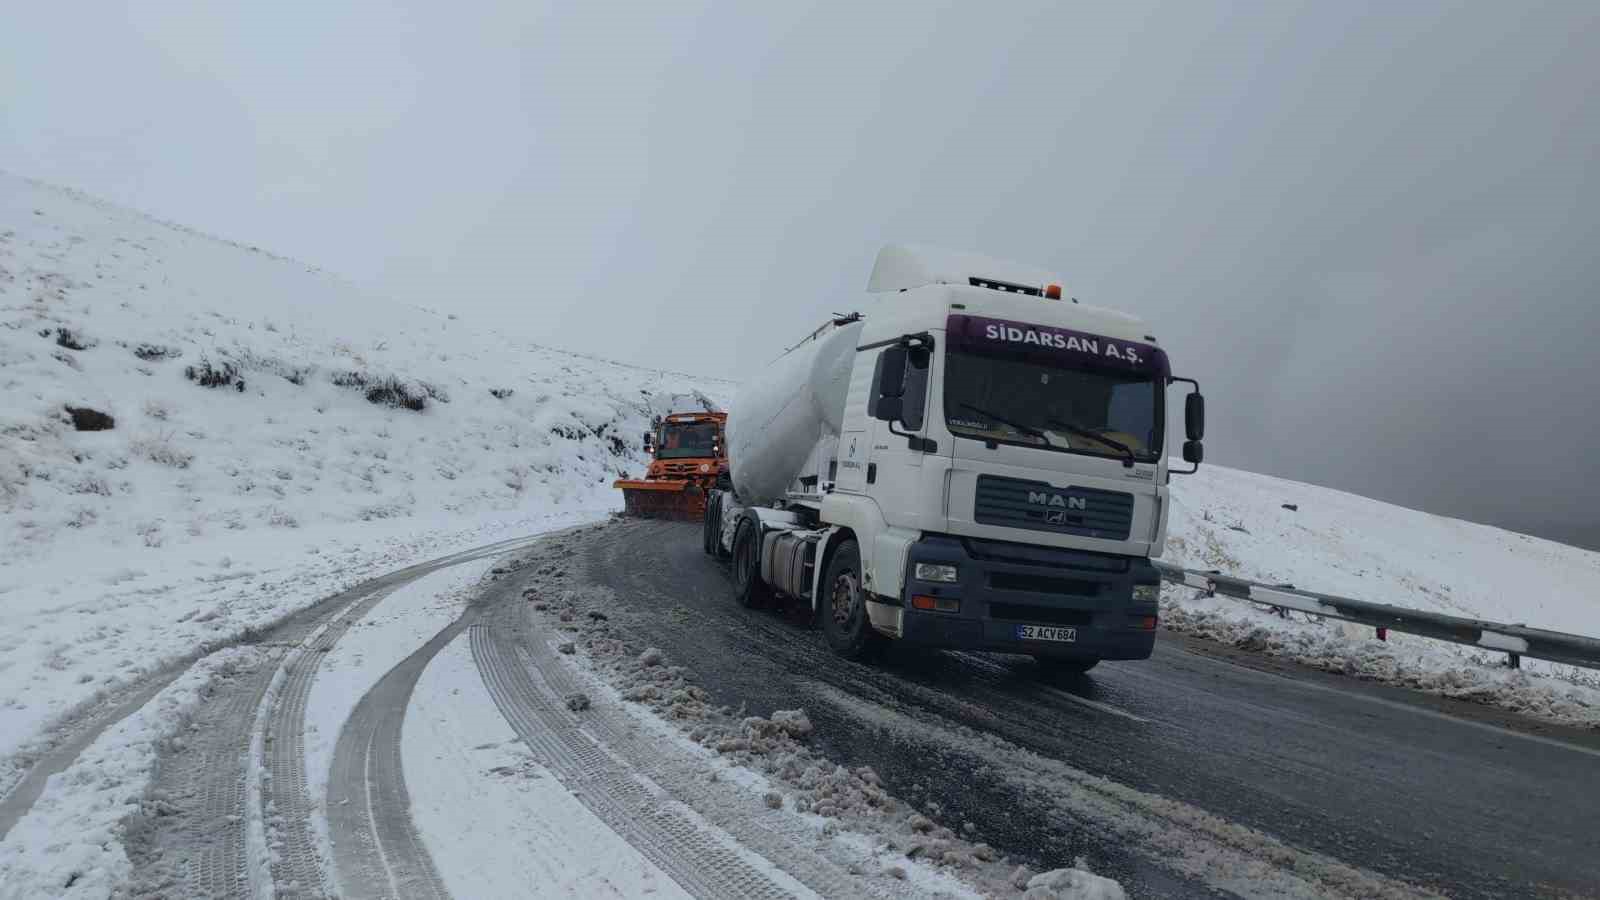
(844, 608)
(747, 584)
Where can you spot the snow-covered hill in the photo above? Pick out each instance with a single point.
(274, 434)
(1344, 544)
(278, 434)
(1285, 532)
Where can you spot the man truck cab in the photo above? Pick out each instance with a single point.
(994, 476)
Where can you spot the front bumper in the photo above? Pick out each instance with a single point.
(1003, 585)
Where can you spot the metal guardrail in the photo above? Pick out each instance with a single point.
(1516, 641)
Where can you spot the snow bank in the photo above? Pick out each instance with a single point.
(1434, 667)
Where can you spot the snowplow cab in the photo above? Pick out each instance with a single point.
(689, 453)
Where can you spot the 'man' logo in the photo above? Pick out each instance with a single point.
(1040, 498)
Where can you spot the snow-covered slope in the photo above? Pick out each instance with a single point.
(1339, 543)
(342, 434)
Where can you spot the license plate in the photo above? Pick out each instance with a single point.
(1046, 633)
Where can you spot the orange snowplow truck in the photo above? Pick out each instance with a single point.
(691, 456)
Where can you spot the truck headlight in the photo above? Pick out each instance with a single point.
(936, 572)
(1146, 593)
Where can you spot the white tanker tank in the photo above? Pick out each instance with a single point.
(779, 417)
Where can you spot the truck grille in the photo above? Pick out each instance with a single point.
(1043, 584)
(1036, 505)
(1015, 612)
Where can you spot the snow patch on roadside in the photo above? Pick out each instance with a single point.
(71, 843)
(480, 801)
(894, 849)
(874, 855)
(1073, 884)
(1404, 660)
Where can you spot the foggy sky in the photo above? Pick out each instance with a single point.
(1368, 229)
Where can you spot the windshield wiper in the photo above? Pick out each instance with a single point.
(1021, 428)
(1127, 451)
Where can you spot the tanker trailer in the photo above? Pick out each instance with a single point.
(974, 464)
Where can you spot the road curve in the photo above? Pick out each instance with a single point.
(1433, 793)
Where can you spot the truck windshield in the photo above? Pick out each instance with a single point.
(1036, 404)
(686, 439)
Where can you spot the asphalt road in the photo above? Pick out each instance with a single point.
(1435, 793)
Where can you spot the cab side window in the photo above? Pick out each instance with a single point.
(916, 395)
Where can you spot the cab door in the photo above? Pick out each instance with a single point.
(895, 469)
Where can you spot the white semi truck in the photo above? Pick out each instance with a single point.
(976, 463)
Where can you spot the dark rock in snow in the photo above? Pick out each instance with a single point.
(1292, 507)
(577, 702)
(86, 419)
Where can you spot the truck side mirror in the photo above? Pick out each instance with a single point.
(649, 442)
(1194, 420)
(887, 402)
(1193, 452)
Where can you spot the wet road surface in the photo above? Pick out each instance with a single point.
(1437, 793)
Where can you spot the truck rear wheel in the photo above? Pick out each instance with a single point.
(844, 606)
(748, 587)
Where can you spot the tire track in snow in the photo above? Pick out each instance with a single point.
(653, 795)
(694, 858)
(376, 847)
(226, 776)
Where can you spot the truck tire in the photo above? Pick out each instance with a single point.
(748, 588)
(844, 607)
(1058, 667)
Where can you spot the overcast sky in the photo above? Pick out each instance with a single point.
(1369, 229)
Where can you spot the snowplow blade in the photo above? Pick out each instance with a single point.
(663, 499)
